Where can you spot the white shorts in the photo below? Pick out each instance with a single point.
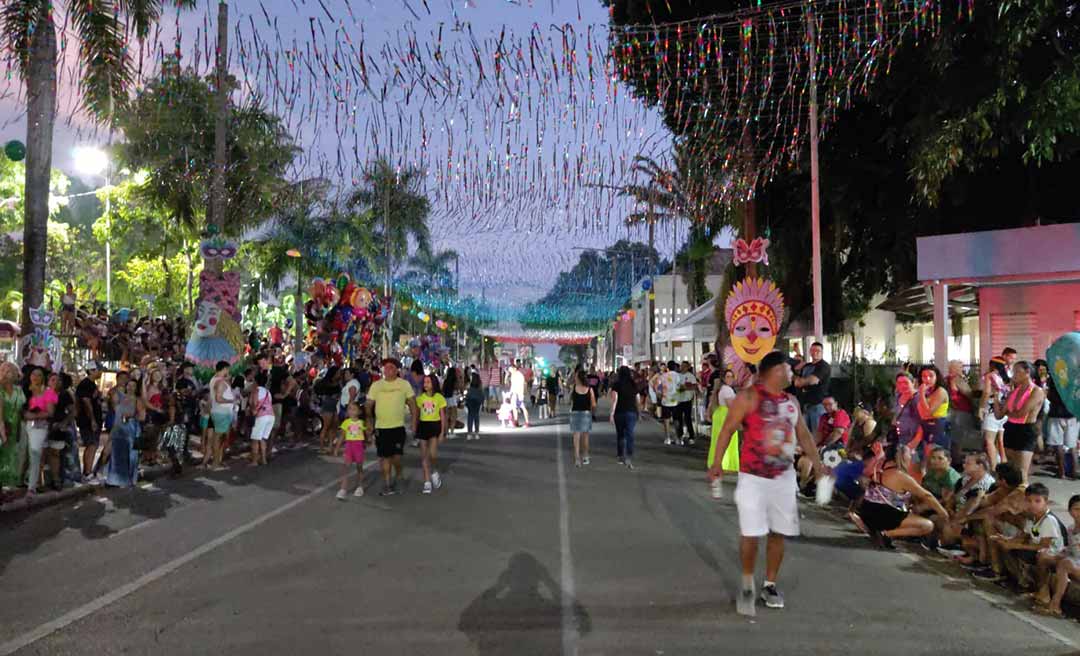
(767, 505)
(1062, 431)
(992, 424)
(262, 428)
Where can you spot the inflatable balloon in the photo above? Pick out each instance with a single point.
(15, 150)
(646, 284)
(317, 288)
(348, 293)
(364, 298)
(342, 281)
(1063, 357)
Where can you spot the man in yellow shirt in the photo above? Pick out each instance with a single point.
(386, 401)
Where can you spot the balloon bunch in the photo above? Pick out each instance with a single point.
(344, 317)
(428, 349)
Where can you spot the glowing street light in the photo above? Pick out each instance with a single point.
(95, 161)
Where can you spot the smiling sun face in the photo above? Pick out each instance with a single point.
(752, 338)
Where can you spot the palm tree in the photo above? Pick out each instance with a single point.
(396, 210)
(431, 270)
(29, 32)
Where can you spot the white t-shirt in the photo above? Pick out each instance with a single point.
(1046, 527)
(688, 395)
(669, 389)
(517, 383)
(725, 395)
(351, 385)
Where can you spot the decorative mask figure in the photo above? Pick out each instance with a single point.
(40, 348)
(753, 311)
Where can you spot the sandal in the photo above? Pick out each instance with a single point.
(1050, 612)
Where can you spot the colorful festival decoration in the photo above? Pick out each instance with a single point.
(755, 251)
(217, 335)
(428, 349)
(1063, 358)
(41, 348)
(754, 311)
(15, 150)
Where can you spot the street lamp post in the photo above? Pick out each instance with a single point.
(298, 316)
(94, 161)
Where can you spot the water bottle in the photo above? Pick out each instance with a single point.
(825, 487)
(717, 488)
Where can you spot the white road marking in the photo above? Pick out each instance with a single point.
(108, 598)
(1026, 619)
(566, 577)
(133, 527)
(993, 601)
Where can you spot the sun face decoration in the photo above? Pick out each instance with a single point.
(753, 311)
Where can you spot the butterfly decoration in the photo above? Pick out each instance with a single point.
(755, 251)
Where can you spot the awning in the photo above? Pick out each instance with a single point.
(914, 304)
(698, 326)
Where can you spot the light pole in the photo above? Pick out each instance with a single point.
(94, 161)
(298, 316)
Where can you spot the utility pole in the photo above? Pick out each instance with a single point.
(650, 293)
(815, 194)
(217, 186)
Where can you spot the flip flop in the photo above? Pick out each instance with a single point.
(1050, 612)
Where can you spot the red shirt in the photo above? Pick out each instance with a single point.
(830, 422)
(767, 447)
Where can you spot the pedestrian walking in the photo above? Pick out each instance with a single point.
(474, 401)
(429, 426)
(386, 402)
(354, 433)
(262, 404)
(765, 492)
(582, 405)
(624, 414)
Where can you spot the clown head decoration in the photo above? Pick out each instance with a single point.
(753, 311)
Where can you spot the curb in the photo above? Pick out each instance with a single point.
(44, 499)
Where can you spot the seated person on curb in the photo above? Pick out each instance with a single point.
(884, 511)
(1042, 539)
(965, 498)
(1067, 566)
(1002, 511)
(832, 433)
(940, 478)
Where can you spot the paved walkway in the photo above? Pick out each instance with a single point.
(519, 553)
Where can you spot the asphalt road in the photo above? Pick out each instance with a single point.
(519, 553)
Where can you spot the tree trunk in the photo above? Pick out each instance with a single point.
(216, 212)
(40, 119)
(165, 268)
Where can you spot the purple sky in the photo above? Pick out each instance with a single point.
(512, 251)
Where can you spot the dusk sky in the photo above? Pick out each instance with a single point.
(511, 251)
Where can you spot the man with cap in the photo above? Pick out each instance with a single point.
(386, 402)
(772, 425)
(88, 415)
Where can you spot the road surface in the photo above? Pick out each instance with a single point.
(519, 553)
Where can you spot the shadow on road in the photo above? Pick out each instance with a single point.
(521, 613)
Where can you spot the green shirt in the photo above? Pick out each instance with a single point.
(936, 483)
(430, 405)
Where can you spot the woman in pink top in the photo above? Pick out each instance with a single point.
(38, 410)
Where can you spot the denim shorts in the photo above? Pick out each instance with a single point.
(580, 421)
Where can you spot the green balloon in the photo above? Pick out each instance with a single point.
(15, 150)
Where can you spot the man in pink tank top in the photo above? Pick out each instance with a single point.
(765, 492)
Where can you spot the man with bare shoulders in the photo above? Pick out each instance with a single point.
(765, 493)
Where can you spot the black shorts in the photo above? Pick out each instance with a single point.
(881, 517)
(89, 434)
(390, 442)
(1026, 555)
(667, 412)
(1020, 437)
(427, 430)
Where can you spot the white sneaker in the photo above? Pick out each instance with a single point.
(667, 441)
(436, 479)
(427, 487)
(585, 460)
(341, 496)
(359, 491)
(416, 443)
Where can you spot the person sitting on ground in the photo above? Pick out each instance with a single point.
(832, 435)
(1042, 539)
(966, 497)
(1066, 567)
(1000, 512)
(940, 478)
(864, 433)
(884, 512)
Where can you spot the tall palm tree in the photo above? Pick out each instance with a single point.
(102, 28)
(396, 209)
(432, 271)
